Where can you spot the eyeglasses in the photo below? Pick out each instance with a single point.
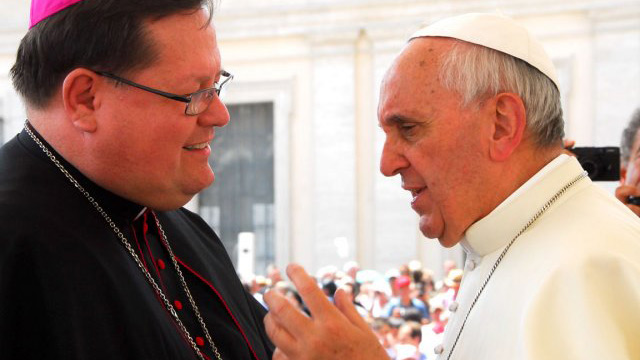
(197, 102)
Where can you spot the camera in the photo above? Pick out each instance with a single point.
(601, 163)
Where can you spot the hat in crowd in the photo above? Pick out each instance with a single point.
(453, 278)
(262, 281)
(403, 281)
(414, 265)
(42, 9)
(395, 322)
(497, 32)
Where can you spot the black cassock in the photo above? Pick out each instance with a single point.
(70, 290)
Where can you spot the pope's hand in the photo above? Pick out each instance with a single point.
(332, 332)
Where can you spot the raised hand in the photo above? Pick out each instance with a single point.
(332, 332)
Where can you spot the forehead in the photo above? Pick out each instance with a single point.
(412, 79)
(185, 42)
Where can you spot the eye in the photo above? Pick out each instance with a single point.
(407, 129)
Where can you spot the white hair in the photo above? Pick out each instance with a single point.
(477, 73)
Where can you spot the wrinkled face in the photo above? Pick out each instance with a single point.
(146, 149)
(433, 144)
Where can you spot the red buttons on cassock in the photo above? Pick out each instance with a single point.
(177, 304)
(145, 228)
(199, 341)
(161, 264)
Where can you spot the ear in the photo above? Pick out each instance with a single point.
(79, 98)
(509, 123)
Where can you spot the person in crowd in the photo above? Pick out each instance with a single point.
(329, 272)
(98, 258)
(450, 288)
(289, 292)
(629, 190)
(471, 113)
(391, 275)
(259, 285)
(382, 329)
(379, 298)
(409, 338)
(329, 288)
(274, 274)
(351, 269)
(349, 285)
(426, 287)
(397, 306)
(432, 333)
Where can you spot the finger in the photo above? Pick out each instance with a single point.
(279, 355)
(278, 334)
(315, 299)
(346, 307)
(285, 314)
(623, 192)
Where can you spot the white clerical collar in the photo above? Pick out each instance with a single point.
(495, 230)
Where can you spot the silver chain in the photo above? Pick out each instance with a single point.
(135, 257)
(535, 217)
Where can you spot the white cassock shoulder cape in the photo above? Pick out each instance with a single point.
(569, 286)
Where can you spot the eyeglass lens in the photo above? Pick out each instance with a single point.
(201, 100)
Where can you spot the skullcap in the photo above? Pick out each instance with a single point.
(497, 32)
(42, 9)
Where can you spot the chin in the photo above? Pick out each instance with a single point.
(447, 243)
(428, 229)
(448, 240)
(198, 183)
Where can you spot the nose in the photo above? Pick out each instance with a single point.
(215, 115)
(392, 161)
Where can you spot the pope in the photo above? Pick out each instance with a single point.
(471, 113)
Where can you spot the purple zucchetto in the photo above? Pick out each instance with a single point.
(42, 9)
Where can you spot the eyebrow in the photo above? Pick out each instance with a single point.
(206, 78)
(396, 119)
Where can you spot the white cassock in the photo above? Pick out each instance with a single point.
(569, 286)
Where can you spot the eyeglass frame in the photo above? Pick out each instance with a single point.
(217, 88)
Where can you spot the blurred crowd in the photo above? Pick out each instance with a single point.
(406, 306)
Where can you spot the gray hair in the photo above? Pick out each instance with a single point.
(477, 73)
(628, 136)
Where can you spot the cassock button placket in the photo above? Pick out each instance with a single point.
(471, 264)
(453, 306)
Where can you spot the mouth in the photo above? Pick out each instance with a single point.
(199, 146)
(415, 193)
